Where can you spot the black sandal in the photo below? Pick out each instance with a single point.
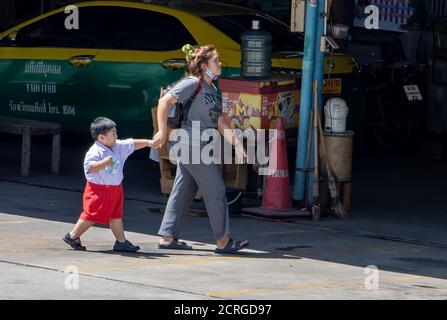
(232, 247)
(175, 245)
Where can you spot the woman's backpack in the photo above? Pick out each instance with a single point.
(178, 112)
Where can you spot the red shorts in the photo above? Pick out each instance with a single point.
(102, 203)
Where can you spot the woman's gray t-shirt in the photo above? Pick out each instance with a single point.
(206, 107)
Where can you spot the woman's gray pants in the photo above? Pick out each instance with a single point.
(207, 178)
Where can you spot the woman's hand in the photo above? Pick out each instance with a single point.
(159, 140)
(241, 154)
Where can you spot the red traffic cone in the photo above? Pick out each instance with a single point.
(277, 199)
(277, 187)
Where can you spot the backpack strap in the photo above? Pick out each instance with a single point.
(189, 102)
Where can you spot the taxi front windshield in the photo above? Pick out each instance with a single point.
(283, 40)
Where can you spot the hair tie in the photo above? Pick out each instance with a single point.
(189, 51)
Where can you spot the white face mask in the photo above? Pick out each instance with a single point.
(210, 74)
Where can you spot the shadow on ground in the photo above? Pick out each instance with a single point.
(399, 199)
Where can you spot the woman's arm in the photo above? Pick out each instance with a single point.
(162, 119)
(225, 130)
(229, 134)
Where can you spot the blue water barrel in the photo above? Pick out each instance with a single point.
(256, 53)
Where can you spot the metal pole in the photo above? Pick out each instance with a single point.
(306, 98)
(318, 75)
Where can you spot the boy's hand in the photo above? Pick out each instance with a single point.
(107, 162)
(100, 165)
(150, 143)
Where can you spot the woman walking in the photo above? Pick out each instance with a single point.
(206, 110)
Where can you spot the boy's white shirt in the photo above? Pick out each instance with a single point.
(112, 175)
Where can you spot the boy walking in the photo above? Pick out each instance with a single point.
(103, 194)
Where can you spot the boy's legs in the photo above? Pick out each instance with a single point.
(116, 225)
(72, 238)
(116, 222)
(83, 223)
(80, 227)
(121, 244)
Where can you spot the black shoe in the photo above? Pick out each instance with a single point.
(74, 243)
(125, 246)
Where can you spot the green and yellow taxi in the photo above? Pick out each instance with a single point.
(120, 55)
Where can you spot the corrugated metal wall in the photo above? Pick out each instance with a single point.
(438, 7)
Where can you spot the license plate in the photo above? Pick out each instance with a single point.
(413, 93)
(331, 86)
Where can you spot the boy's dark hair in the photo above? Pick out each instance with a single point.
(101, 125)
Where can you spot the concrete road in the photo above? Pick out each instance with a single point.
(295, 260)
(397, 225)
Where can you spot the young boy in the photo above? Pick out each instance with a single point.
(103, 194)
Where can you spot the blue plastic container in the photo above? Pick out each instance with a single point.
(256, 53)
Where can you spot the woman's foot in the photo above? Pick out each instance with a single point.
(232, 246)
(173, 244)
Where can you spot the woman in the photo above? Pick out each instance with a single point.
(203, 67)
